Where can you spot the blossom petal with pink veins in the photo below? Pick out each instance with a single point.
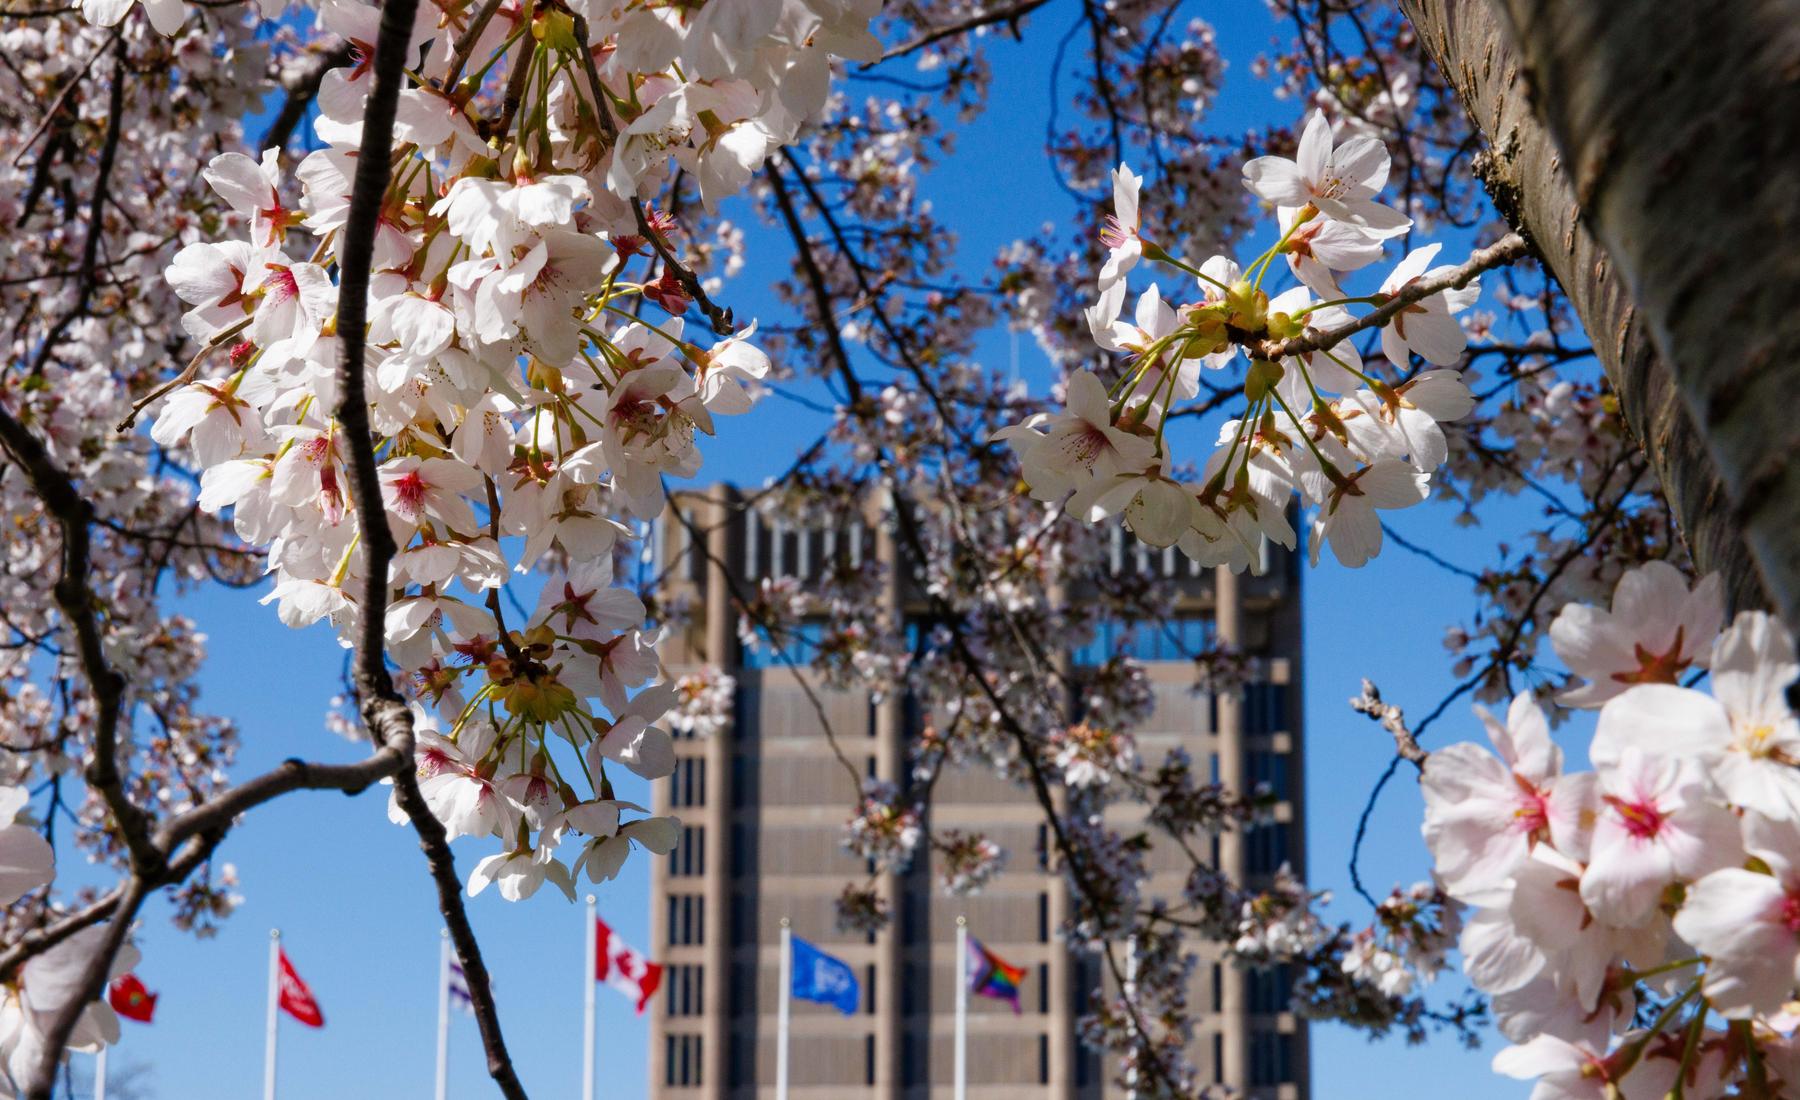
(1472, 827)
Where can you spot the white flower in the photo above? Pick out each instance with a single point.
(417, 490)
(1747, 924)
(586, 604)
(26, 859)
(1484, 814)
(216, 422)
(1341, 182)
(1078, 446)
(634, 741)
(1752, 665)
(1321, 247)
(166, 16)
(1428, 326)
(1658, 628)
(1120, 234)
(604, 856)
(1348, 520)
(1565, 1070)
(44, 987)
(520, 873)
(1660, 823)
(249, 188)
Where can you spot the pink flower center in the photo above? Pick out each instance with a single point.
(1790, 912)
(281, 285)
(434, 761)
(409, 491)
(312, 452)
(1532, 815)
(574, 606)
(1083, 447)
(1643, 820)
(1331, 186)
(1114, 235)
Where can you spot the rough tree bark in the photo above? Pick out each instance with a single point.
(1660, 238)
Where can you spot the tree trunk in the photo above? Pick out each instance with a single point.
(1660, 240)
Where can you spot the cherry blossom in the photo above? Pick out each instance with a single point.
(1658, 629)
(1341, 181)
(1747, 923)
(1483, 814)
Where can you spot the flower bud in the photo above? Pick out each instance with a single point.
(1262, 377)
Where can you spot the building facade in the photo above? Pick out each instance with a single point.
(763, 804)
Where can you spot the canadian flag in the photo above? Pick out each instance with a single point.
(296, 999)
(130, 999)
(616, 964)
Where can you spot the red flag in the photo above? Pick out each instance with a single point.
(296, 998)
(616, 964)
(131, 1000)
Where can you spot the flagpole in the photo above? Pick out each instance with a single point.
(443, 1047)
(587, 1002)
(783, 996)
(1131, 967)
(274, 995)
(962, 1008)
(100, 1075)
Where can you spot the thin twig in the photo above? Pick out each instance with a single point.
(1011, 14)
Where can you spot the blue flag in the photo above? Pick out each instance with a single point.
(824, 978)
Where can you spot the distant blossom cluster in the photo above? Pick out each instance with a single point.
(1637, 926)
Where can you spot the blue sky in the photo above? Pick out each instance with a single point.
(349, 890)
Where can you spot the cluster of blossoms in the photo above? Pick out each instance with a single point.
(1089, 755)
(1367, 977)
(703, 701)
(968, 861)
(1635, 925)
(529, 372)
(886, 831)
(1413, 930)
(1372, 447)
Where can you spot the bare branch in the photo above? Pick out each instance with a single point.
(720, 316)
(78, 604)
(1010, 15)
(471, 34)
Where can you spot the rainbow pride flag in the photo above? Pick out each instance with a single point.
(992, 976)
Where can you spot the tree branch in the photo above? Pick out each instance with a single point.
(78, 604)
(1392, 719)
(1529, 178)
(384, 712)
(1502, 252)
(1010, 14)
